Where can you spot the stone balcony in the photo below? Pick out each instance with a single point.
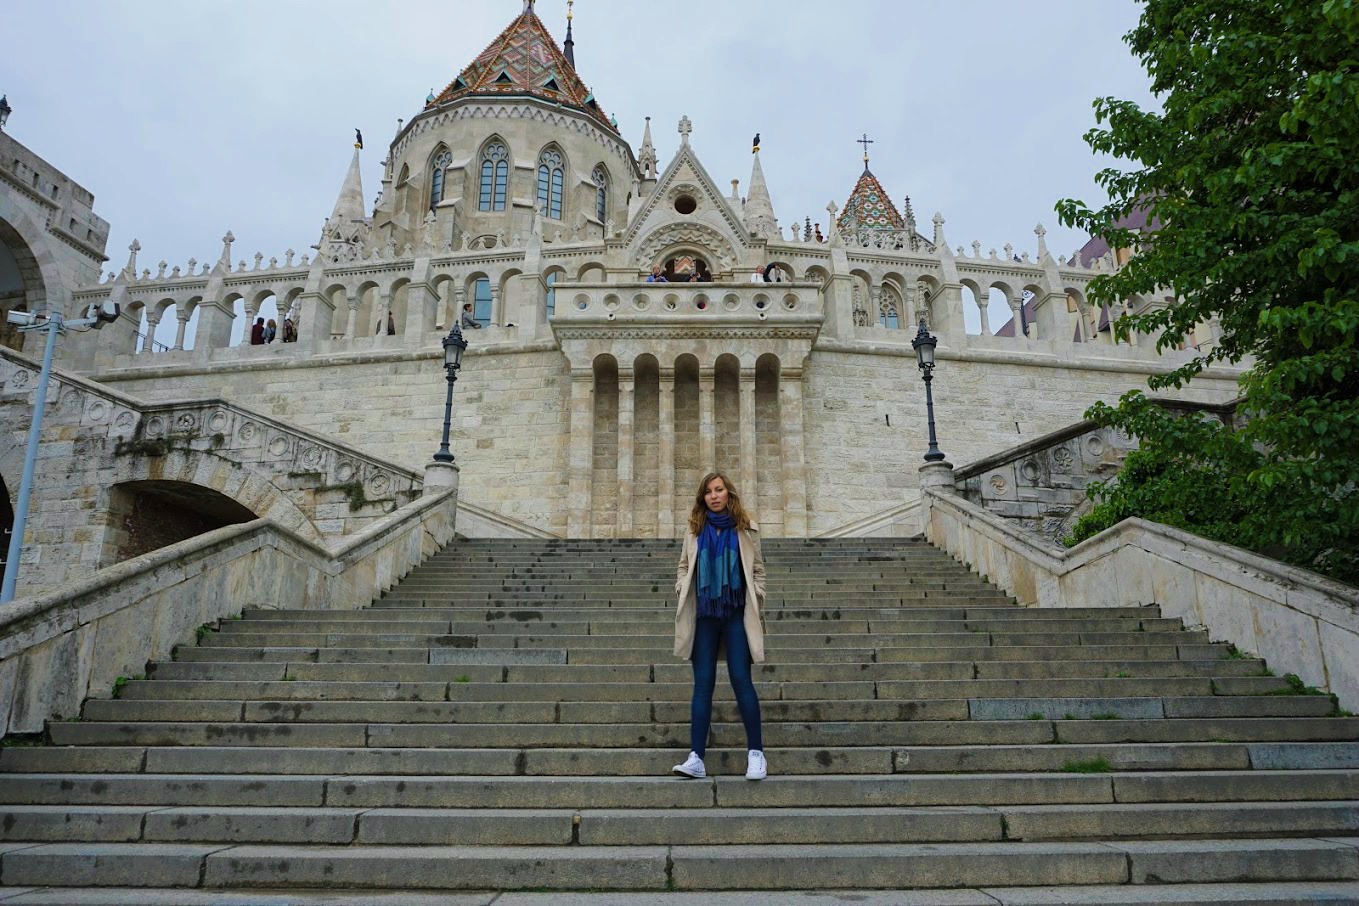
(788, 309)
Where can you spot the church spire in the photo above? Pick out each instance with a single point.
(646, 154)
(569, 45)
(759, 209)
(349, 205)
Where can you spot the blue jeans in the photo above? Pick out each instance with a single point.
(708, 632)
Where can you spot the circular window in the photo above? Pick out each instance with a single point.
(685, 204)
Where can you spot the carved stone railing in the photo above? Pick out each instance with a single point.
(1041, 485)
(668, 304)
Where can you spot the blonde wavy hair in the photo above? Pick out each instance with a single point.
(698, 517)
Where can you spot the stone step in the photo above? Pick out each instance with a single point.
(1275, 893)
(657, 657)
(778, 791)
(774, 867)
(654, 762)
(606, 614)
(883, 626)
(210, 671)
(565, 691)
(672, 827)
(724, 734)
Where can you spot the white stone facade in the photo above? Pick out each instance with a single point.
(591, 401)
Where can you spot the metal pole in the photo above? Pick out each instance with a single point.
(934, 454)
(16, 539)
(444, 455)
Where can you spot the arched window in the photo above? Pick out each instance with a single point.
(887, 315)
(551, 294)
(551, 174)
(495, 176)
(481, 302)
(601, 193)
(436, 178)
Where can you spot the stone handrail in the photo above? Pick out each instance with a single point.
(1041, 484)
(688, 303)
(1297, 620)
(65, 645)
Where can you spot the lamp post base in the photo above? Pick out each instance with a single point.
(937, 476)
(439, 476)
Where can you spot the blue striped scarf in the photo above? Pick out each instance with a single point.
(721, 588)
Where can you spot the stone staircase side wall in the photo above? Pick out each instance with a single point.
(72, 643)
(1297, 620)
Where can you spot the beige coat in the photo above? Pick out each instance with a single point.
(686, 610)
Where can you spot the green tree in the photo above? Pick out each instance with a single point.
(1250, 177)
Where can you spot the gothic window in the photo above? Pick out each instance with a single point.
(601, 180)
(495, 176)
(436, 181)
(552, 294)
(481, 302)
(551, 173)
(887, 315)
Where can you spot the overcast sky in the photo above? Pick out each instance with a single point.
(187, 118)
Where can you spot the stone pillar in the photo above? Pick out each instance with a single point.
(665, 472)
(214, 328)
(626, 393)
(441, 313)
(1051, 319)
(794, 463)
(419, 300)
(149, 343)
(707, 431)
(183, 318)
(908, 303)
(250, 310)
(352, 323)
(749, 473)
(983, 304)
(1017, 313)
(459, 300)
(874, 306)
(937, 476)
(581, 461)
(438, 476)
(497, 315)
(384, 305)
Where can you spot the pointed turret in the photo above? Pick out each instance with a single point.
(759, 209)
(646, 155)
(525, 60)
(569, 45)
(347, 228)
(869, 207)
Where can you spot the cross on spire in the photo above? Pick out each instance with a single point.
(686, 126)
(865, 141)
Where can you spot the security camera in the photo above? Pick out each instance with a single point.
(101, 313)
(22, 318)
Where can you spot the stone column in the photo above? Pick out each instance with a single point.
(665, 472)
(441, 312)
(149, 343)
(749, 473)
(214, 329)
(626, 390)
(183, 318)
(384, 305)
(459, 300)
(794, 468)
(497, 316)
(908, 303)
(581, 461)
(250, 310)
(984, 303)
(352, 323)
(707, 431)
(1017, 312)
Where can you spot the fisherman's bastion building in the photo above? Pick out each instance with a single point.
(590, 401)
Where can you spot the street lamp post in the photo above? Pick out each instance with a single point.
(5, 110)
(924, 344)
(454, 344)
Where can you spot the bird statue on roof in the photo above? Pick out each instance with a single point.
(755, 145)
(358, 139)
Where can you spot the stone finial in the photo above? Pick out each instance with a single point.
(226, 249)
(1009, 252)
(976, 248)
(259, 260)
(133, 249)
(273, 263)
(1041, 233)
(288, 261)
(939, 230)
(686, 126)
(160, 269)
(193, 263)
(736, 190)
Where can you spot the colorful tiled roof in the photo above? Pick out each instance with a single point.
(524, 60)
(869, 207)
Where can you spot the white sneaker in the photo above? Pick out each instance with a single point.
(756, 767)
(693, 767)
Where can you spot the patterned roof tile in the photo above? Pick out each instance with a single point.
(869, 207)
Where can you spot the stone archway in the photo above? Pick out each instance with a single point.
(21, 282)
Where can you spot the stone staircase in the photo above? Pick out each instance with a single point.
(506, 718)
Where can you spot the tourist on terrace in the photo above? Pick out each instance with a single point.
(391, 325)
(257, 332)
(720, 589)
(758, 276)
(657, 276)
(696, 277)
(467, 320)
(270, 331)
(289, 331)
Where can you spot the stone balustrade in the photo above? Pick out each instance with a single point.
(669, 304)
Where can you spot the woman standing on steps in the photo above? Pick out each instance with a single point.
(720, 587)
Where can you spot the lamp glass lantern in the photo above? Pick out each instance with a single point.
(5, 110)
(924, 344)
(454, 345)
